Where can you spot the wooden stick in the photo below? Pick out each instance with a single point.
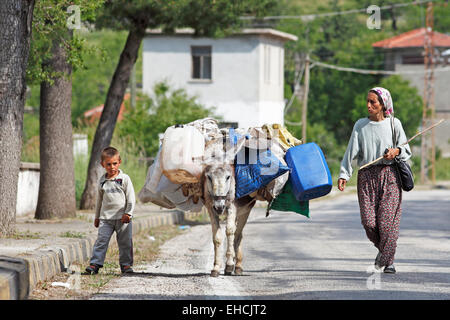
(434, 125)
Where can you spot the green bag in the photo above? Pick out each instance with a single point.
(286, 201)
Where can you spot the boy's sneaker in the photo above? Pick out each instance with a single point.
(126, 269)
(92, 269)
(389, 269)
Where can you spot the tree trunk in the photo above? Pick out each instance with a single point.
(57, 178)
(108, 119)
(15, 32)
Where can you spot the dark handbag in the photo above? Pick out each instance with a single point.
(403, 168)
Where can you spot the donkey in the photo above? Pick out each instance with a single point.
(219, 198)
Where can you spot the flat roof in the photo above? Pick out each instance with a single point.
(248, 31)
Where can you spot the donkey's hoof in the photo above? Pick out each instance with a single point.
(238, 271)
(214, 273)
(229, 270)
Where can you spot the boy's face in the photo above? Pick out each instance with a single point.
(111, 165)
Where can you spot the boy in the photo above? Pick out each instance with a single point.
(114, 209)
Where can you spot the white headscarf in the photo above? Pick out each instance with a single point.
(387, 99)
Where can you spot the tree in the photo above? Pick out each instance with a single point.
(207, 17)
(15, 32)
(57, 180)
(56, 52)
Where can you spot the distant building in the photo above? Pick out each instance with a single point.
(405, 52)
(241, 75)
(94, 114)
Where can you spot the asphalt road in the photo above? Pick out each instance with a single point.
(290, 257)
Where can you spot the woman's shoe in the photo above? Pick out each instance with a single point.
(389, 269)
(378, 266)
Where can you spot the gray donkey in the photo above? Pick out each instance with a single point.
(219, 198)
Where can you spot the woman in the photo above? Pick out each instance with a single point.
(379, 189)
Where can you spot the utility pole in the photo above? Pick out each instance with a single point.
(298, 92)
(305, 99)
(428, 107)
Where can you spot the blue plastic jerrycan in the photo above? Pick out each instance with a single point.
(311, 177)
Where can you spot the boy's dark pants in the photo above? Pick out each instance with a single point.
(124, 242)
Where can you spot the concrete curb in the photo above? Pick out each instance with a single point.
(14, 284)
(19, 276)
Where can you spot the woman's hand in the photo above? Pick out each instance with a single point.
(341, 184)
(391, 153)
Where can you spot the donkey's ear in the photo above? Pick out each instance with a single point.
(206, 168)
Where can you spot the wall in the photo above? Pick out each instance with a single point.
(80, 144)
(28, 188)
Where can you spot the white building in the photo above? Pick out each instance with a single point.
(241, 75)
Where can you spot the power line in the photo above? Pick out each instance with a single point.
(309, 17)
(372, 72)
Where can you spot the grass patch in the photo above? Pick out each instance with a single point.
(25, 235)
(72, 234)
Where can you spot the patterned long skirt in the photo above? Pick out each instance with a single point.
(380, 197)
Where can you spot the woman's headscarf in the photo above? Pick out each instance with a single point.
(387, 99)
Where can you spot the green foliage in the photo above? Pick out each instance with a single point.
(50, 19)
(214, 18)
(129, 14)
(442, 169)
(31, 122)
(414, 17)
(81, 166)
(72, 234)
(152, 116)
(206, 17)
(30, 150)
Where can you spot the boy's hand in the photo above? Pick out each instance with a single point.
(126, 218)
(96, 222)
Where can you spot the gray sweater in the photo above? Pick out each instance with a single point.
(115, 197)
(368, 141)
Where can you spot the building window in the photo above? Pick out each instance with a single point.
(224, 124)
(412, 59)
(201, 62)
